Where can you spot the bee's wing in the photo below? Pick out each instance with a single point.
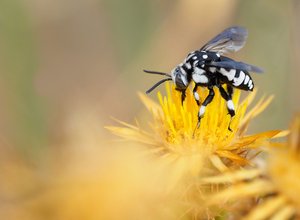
(230, 40)
(230, 64)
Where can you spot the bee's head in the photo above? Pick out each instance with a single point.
(179, 78)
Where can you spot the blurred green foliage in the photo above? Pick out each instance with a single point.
(133, 23)
(130, 23)
(18, 68)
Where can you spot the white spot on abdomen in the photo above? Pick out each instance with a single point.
(229, 74)
(204, 56)
(250, 83)
(246, 79)
(238, 81)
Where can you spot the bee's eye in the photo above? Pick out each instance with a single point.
(180, 85)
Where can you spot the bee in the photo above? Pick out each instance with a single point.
(207, 67)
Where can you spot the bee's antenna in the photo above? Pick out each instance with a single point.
(158, 73)
(157, 84)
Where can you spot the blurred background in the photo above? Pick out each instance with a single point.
(84, 59)
(68, 66)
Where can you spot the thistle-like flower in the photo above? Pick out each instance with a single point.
(274, 187)
(173, 137)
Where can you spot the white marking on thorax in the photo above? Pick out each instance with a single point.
(229, 74)
(188, 65)
(199, 71)
(204, 56)
(200, 78)
(190, 55)
(238, 81)
(212, 69)
(218, 55)
(195, 63)
(198, 75)
(230, 105)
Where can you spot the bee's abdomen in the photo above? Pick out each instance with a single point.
(237, 78)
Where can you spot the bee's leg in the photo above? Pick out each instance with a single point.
(196, 95)
(228, 98)
(182, 96)
(229, 91)
(207, 100)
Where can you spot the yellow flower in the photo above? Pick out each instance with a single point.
(275, 187)
(174, 139)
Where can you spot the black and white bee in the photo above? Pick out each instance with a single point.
(208, 67)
